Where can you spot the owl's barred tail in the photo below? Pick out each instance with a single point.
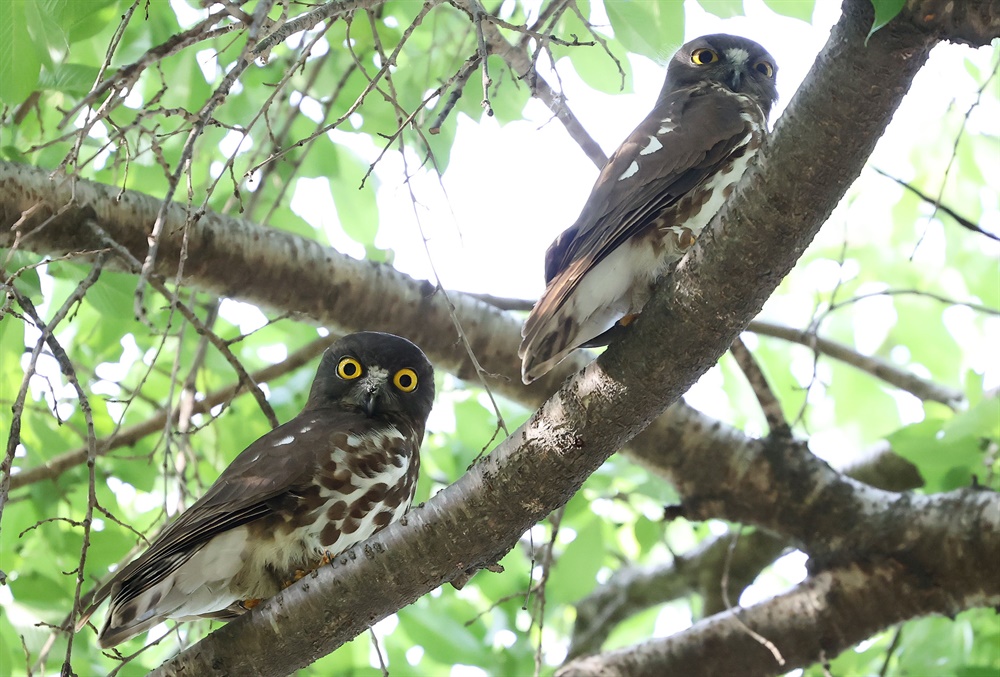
(548, 337)
(534, 365)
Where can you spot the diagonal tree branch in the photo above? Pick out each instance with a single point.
(813, 622)
(632, 589)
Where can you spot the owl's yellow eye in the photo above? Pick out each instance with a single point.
(406, 380)
(348, 368)
(764, 68)
(703, 56)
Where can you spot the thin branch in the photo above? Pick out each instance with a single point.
(189, 315)
(521, 64)
(954, 151)
(958, 218)
(769, 404)
(128, 437)
(478, 16)
(904, 380)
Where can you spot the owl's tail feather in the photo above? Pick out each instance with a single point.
(550, 335)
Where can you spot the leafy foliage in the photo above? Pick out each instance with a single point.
(890, 277)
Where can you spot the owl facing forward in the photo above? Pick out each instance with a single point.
(341, 470)
(653, 198)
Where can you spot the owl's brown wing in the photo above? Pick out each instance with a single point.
(691, 135)
(663, 159)
(278, 462)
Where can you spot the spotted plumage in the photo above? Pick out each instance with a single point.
(653, 197)
(342, 469)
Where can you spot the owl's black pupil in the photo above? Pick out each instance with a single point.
(405, 381)
(761, 68)
(350, 369)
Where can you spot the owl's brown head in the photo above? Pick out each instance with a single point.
(739, 64)
(382, 375)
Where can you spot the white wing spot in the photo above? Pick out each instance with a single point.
(653, 146)
(306, 428)
(285, 440)
(632, 169)
(666, 125)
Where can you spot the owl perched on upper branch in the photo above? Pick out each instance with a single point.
(653, 197)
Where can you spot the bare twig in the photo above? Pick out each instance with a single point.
(127, 437)
(521, 64)
(457, 85)
(902, 379)
(219, 344)
(958, 218)
(478, 16)
(954, 151)
(769, 404)
(66, 366)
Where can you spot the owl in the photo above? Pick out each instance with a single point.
(653, 197)
(340, 471)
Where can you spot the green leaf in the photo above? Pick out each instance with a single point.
(19, 60)
(82, 20)
(355, 205)
(797, 9)
(885, 11)
(47, 35)
(648, 533)
(448, 639)
(598, 69)
(647, 28)
(724, 9)
(576, 569)
(949, 452)
(71, 78)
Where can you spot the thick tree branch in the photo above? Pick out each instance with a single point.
(830, 611)
(633, 589)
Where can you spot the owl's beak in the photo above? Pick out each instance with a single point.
(370, 391)
(369, 402)
(735, 79)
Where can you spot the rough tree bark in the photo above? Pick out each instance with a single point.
(696, 313)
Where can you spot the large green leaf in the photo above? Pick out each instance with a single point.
(724, 9)
(885, 11)
(949, 453)
(797, 9)
(653, 28)
(20, 63)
